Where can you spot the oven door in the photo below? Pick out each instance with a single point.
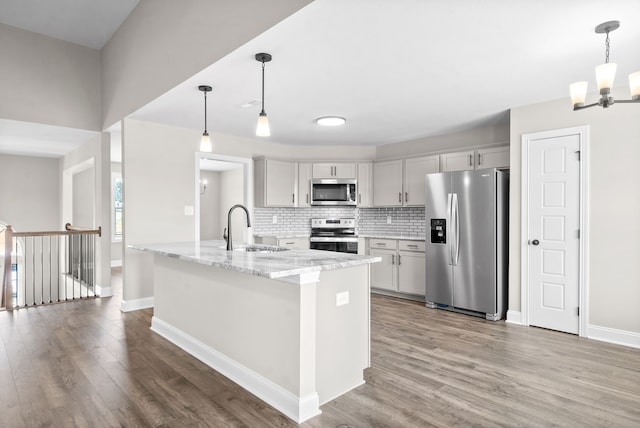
(337, 246)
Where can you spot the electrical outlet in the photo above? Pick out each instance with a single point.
(274, 220)
(188, 210)
(342, 298)
(388, 219)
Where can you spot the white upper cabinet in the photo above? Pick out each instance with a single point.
(387, 183)
(497, 157)
(459, 161)
(414, 183)
(275, 183)
(365, 184)
(334, 170)
(304, 184)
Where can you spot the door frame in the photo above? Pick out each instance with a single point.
(583, 275)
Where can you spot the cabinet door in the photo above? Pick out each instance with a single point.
(365, 177)
(461, 161)
(387, 184)
(304, 184)
(493, 158)
(345, 170)
(322, 170)
(383, 273)
(280, 183)
(414, 185)
(334, 170)
(411, 272)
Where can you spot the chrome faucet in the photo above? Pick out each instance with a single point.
(228, 236)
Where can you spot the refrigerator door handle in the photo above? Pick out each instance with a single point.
(456, 228)
(450, 227)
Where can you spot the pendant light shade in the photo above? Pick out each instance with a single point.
(262, 129)
(205, 141)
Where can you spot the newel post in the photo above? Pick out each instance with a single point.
(7, 295)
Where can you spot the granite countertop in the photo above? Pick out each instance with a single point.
(273, 265)
(392, 236)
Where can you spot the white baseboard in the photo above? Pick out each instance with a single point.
(298, 409)
(137, 304)
(116, 263)
(514, 317)
(104, 291)
(612, 335)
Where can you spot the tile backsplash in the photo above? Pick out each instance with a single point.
(408, 221)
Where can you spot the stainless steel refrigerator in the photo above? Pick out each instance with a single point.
(467, 241)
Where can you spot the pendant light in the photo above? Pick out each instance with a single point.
(605, 73)
(205, 142)
(262, 130)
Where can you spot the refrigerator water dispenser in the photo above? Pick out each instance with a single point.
(438, 231)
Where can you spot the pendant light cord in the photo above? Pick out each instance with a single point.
(606, 43)
(205, 112)
(262, 87)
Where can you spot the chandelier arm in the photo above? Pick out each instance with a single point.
(627, 101)
(584, 107)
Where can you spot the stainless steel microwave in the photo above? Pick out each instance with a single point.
(333, 191)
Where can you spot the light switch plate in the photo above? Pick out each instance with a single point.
(274, 220)
(342, 298)
(388, 219)
(188, 210)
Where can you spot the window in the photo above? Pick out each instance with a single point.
(117, 207)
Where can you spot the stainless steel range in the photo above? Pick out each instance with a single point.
(334, 234)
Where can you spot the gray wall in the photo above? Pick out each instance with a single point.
(29, 193)
(613, 267)
(153, 38)
(45, 80)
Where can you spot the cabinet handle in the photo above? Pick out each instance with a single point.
(381, 244)
(289, 243)
(400, 197)
(412, 246)
(293, 198)
(479, 158)
(307, 198)
(359, 198)
(398, 259)
(470, 160)
(393, 259)
(406, 196)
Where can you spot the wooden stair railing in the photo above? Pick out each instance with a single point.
(67, 257)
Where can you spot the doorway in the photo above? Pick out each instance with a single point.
(554, 232)
(221, 182)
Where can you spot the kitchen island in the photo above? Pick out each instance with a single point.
(292, 326)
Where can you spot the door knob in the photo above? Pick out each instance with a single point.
(535, 242)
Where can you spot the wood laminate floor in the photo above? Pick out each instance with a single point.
(88, 364)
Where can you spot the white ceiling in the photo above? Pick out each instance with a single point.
(88, 23)
(403, 69)
(28, 139)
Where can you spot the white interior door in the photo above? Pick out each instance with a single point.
(553, 231)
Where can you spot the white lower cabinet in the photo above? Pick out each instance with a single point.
(402, 269)
(293, 243)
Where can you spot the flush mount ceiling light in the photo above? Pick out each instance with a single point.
(205, 142)
(605, 73)
(262, 130)
(331, 121)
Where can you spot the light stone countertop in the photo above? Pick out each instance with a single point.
(391, 236)
(273, 265)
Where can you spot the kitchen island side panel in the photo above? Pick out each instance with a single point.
(251, 320)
